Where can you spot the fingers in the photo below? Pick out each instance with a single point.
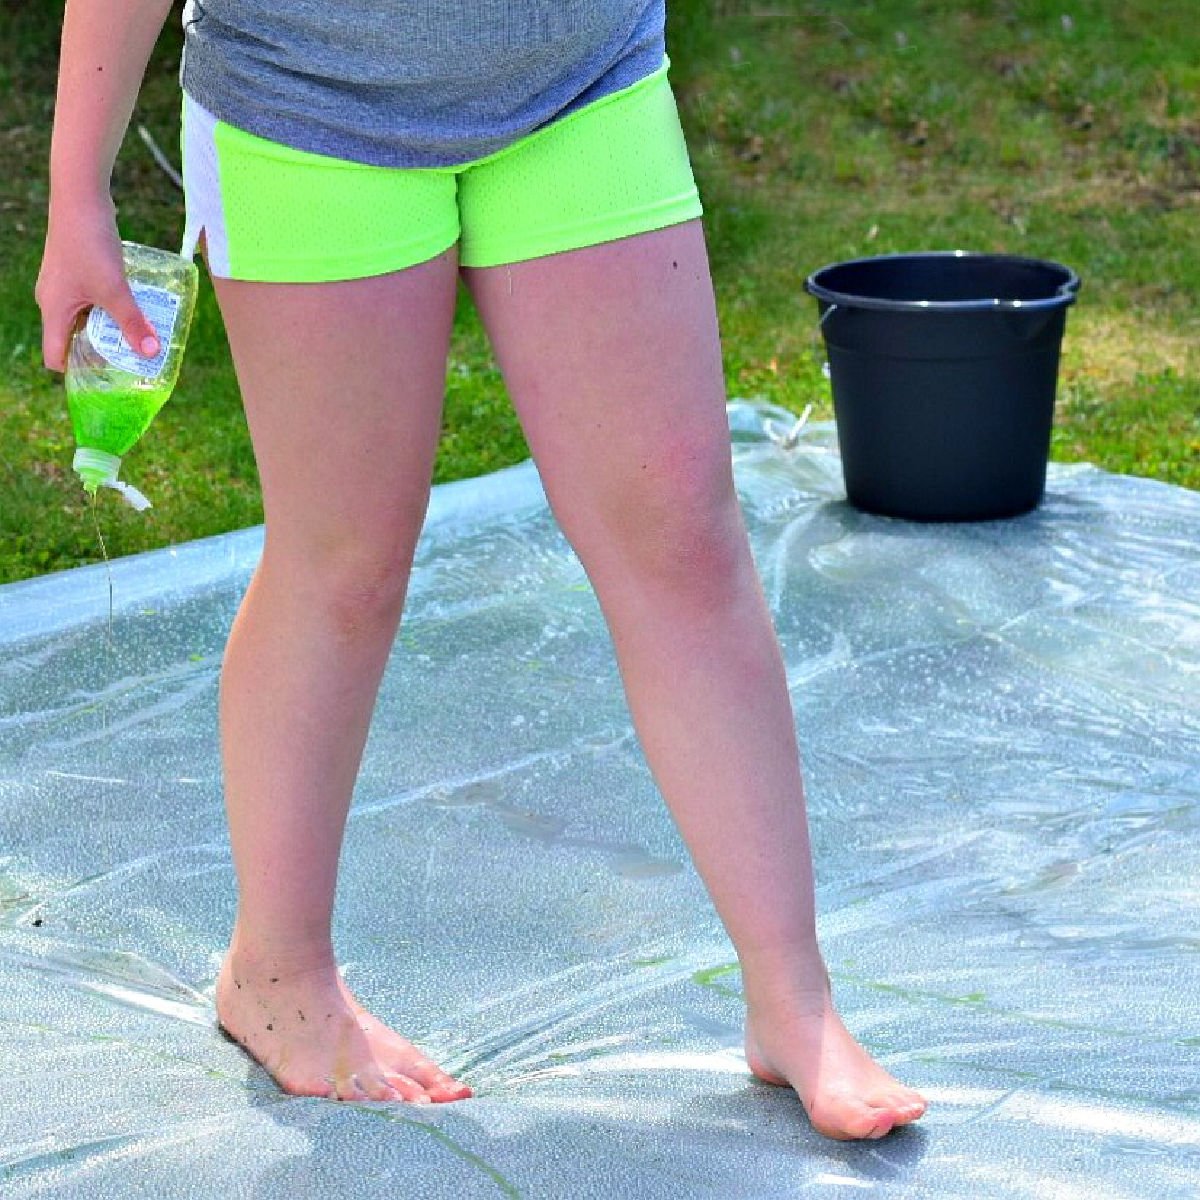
(56, 333)
(60, 314)
(119, 303)
(59, 322)
(83, 267)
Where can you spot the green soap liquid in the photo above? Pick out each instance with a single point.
(110, 405)
(110, 408)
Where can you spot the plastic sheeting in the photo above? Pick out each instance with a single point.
(1000, 724)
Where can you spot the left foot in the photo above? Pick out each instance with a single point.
(799, 1041)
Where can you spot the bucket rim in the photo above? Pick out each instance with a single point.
(1064, 295)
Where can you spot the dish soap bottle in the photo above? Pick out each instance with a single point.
(113, 393)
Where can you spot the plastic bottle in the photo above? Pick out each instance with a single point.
(113, 393)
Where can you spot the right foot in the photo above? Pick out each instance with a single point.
(310, 1034)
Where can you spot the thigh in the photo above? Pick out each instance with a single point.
(612, 357)
(584, 252)
(342, 384)
(337, 284)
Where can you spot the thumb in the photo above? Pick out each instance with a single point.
(134, 326)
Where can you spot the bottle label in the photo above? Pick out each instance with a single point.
(161, 307)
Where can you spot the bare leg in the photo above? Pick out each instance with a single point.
(343, 385)
(612, 357)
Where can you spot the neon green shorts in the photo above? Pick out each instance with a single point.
(268, 212)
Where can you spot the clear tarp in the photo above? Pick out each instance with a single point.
(1000, 725)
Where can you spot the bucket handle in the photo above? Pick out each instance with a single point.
(817, 341)
(788, 438)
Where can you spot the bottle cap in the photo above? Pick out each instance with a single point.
(98, 468)
(95, 467)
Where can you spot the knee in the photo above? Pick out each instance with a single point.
(678, 522)
(697, 554)
(358, 590)
(366, 591)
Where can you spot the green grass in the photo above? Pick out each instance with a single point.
(818, 132)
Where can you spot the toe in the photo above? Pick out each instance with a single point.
(444, 1087)
(407, 1088)
(855, 1119)
(903, 1103)
(874, 1121)
(885, 1122)
(346, 1088)
(307, 1086)
(368, 1084)
(437, 1082)
(376, 1087)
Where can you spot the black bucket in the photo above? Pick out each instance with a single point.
(944, 368)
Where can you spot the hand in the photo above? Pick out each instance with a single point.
(81, 267)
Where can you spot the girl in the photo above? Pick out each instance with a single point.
(344, 165)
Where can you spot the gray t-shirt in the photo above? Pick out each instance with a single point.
(412, 83)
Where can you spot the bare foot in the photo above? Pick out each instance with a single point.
(800, 1041)
(311, 1035)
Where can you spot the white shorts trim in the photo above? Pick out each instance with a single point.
(202, 188)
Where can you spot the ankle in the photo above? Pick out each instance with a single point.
(783, 974)
(255, 955)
